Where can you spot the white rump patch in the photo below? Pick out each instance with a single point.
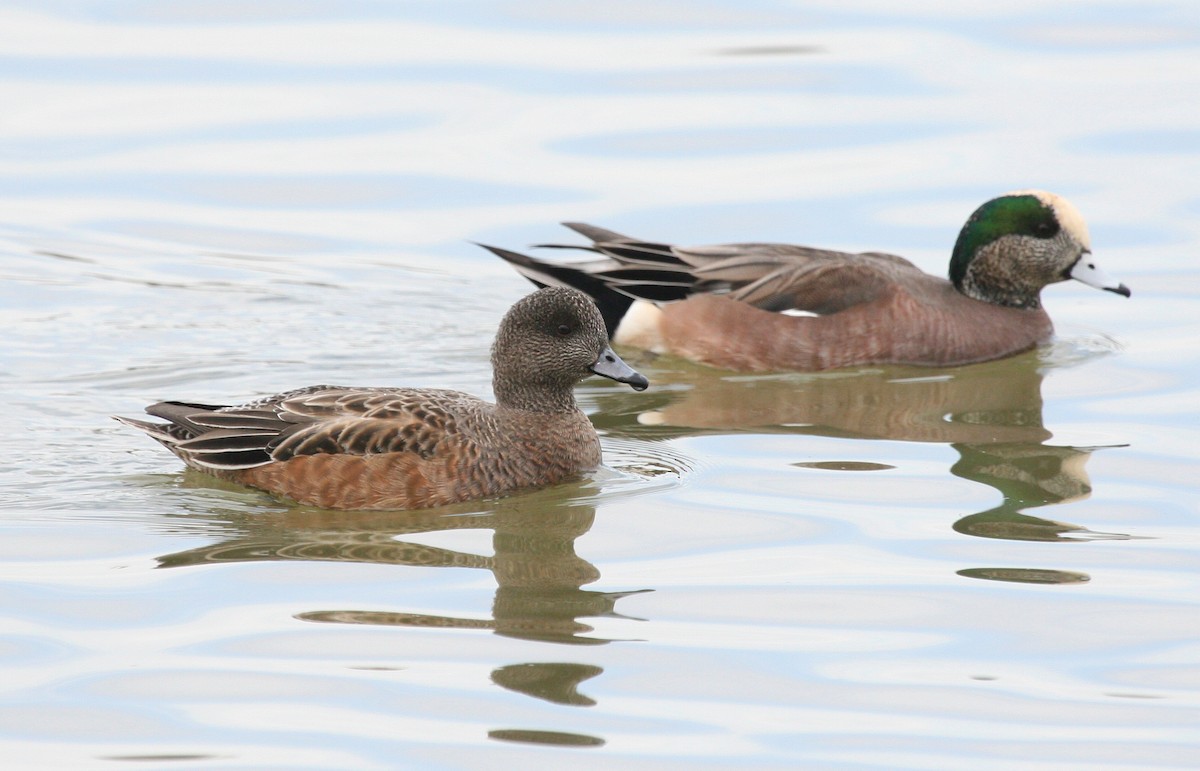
(639, 327)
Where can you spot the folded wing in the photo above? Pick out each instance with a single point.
(774, 277)
(309, 421)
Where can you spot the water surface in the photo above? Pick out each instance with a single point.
(892, 567)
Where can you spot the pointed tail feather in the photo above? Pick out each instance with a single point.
(167, 433)
(180, 414)
(201, 446)
(596, 234)
(622, 248)
(612, 303)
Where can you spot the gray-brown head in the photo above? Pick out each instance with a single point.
(1014, 245)
(547, 342)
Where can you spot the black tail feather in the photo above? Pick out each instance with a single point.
(180, 413)
(640, 253)
(596, 234)
(202, 446)
(168, 434)
(612, 303)
(621, 247)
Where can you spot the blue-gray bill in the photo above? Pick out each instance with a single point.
(610, 365)
(1086, 271)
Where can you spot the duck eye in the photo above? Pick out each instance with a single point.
(563, 330)
(1043, 229)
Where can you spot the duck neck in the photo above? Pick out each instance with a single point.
(548, 398)
(997, 275)
(1007, 296)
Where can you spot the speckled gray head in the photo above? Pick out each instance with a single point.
(1015, 244)
(549, 341)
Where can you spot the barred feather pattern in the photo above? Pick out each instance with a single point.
(405, 448)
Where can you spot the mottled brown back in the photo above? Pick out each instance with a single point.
(406, 448)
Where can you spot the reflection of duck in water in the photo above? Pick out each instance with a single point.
(1028, 476)
(990, 413)
(987, 403)
(538, 574)
(537, 571)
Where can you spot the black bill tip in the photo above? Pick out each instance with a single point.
(611, 366)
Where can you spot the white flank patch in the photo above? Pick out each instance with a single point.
(639, 327)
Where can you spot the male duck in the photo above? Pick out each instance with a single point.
(733, 306)
(407, 448)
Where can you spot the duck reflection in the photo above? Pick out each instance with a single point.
(977, 405)
(1027, 476)
(538, 574)
(556, 683)
(990, 413)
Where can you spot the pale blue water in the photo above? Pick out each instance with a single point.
(984, 567)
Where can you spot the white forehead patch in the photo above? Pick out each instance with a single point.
(1066, 214)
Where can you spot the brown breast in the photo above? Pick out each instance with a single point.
(933, 326)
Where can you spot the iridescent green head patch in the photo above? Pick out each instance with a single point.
(1020, 214)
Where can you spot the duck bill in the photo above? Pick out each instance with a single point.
(610, 365)
(1085, 270)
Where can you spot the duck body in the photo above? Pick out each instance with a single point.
(735, 306)
(406, 448)
(378, 448)
(912, 318)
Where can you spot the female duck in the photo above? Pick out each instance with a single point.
(407, 448)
